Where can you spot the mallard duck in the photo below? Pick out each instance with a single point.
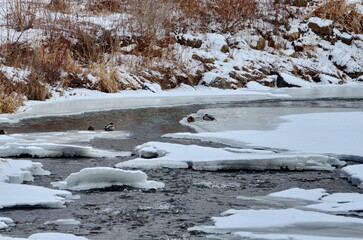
(208, 117)
(109, 127)
(2, 131)
(91, 128)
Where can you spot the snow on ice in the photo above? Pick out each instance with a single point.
(47, 236)
(214, 159)
(311, 218)
(57, 144)
(18, 171)
(17, 195)
(101, 177)
(63, 222)
(5, 222)
(354, 173)
(336, 133)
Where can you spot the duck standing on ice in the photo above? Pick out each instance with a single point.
(109, 127)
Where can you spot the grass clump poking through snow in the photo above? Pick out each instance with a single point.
(343, 13)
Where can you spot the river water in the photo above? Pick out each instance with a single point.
(190, 197)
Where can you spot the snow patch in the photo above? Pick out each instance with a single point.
(5, 222)
(354, 173)
(17, 195)
(18, 171)
(102, 177)
(63, 222)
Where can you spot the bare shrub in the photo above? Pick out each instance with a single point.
(105, 6)
(34, 89)
(151, 24)
(21, 15)
(63, 6)
(339, 12)
(232, 14)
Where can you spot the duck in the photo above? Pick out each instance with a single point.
(191, 119)
(3, 131)
(208, 117)
(91, 128)
(109, 127)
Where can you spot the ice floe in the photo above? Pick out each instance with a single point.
(102, 177)
(318, 199)
(207, 158)
(336, 133)
(57, 144)
(354, 173)
(18, 171)
(63, 222)
(302, 214)
(51, 150)
(17, 195)
(47, 236)
(5, 222)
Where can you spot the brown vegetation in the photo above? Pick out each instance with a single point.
(339, 12)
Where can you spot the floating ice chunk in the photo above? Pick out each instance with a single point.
(18, 171)
(276, 236)
(354, 173)
(5, 222)
(316, 199)
(299, 193)
(214, 159)
(55, 150)
(272, 221)
(61, 137)
(17, 195)
(55, 236)
(101, 177)
(63, 222)
(47, 236)
(342, 203)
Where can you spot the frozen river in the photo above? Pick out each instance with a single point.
(190, 198)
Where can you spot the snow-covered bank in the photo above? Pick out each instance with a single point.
(102, 177)
(214, 159)
(337, 133)
(79, 101)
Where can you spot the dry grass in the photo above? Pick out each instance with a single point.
(109, 79)
(339, 12)
(63, 6)
(21, 15)
(105, 6)
(9, 100)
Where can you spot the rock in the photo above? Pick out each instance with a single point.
(190, 42)
(203, 59)
(320, 26)
(225, 49)
(292, 36)
(281, 83)
(261, 43)
(221, 83)
(345, 38)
